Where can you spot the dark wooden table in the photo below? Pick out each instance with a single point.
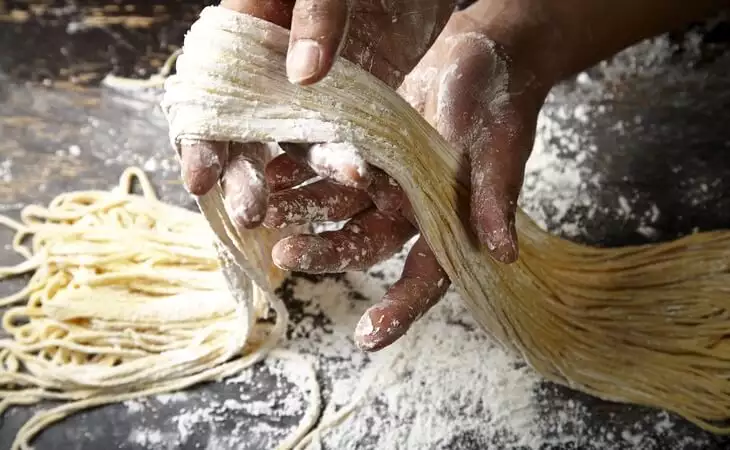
(59, 131)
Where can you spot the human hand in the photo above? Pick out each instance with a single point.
(485, 104)
(481, 85)
(385, 37)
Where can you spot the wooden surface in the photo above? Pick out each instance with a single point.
(61, 133)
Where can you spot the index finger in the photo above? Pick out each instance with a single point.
(420, 287)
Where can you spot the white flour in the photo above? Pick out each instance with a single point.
(6, 174)
(454, 385)
(455, 390)
(556, 177)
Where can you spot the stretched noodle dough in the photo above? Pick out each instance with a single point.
(644, 324)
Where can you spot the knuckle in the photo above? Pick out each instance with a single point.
(320, 16)
(312, 10)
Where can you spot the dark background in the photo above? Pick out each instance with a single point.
(53, 55)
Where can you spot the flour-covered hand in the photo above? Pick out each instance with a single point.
(477, 98)
(372, 234)
(485, 104)
(385, 37)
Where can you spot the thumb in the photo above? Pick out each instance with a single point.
(497, 170)
(476, 112)
(318, 29)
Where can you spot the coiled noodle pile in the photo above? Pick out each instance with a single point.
(126, 300)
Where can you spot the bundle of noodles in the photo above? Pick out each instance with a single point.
(643, 324)
(126, 299)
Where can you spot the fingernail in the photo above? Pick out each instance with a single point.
(385, 192)
(303, 60)
(245, 211)
(288, 255)
(502, 242)
(364, 333)
(370, 336)
(306, 253)
(201, 168)
(340, 162)
(380, 326)
(513, 237)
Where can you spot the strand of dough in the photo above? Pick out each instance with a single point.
(645, 324)
(156, 80)
(127, 300)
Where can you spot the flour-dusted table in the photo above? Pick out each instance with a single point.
(627, 155)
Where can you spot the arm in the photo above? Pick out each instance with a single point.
(564, 37)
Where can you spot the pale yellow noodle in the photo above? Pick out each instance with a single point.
(126, 300)
(644, 324)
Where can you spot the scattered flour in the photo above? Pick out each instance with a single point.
(6, 174)
(149, 438)
(556, 178)
(444, 379)
(444, 385)
(447, 384)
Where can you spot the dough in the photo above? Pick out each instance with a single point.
(644, 324)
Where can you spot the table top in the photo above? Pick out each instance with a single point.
(635, 150)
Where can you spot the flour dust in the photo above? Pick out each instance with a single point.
(444, 385)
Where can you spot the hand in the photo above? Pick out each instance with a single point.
(481, 85)
(386, 37)
(486, 105)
